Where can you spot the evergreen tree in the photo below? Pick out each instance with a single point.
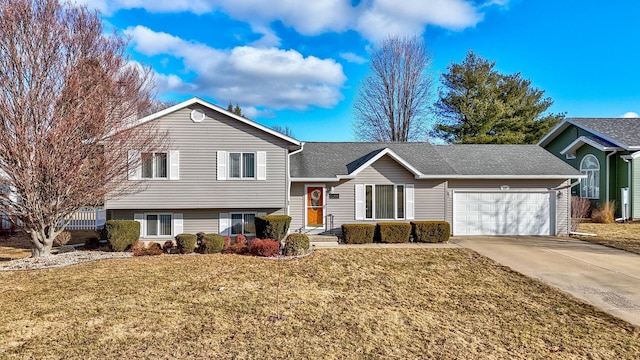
(478, 105)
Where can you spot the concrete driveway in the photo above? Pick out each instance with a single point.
(605, 277)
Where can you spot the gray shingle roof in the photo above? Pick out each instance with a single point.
(331, 159)
(625, 131)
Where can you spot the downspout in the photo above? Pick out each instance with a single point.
(607, 179)
(288, 189)
(628, 184)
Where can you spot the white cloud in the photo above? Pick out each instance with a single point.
(630, 114)
(353, 58)
(264, 77)
(373, 19)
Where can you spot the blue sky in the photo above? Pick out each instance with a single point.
(298, 63)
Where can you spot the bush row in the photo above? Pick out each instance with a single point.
(396, 232)
(123, 235)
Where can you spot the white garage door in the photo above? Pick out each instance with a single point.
(503, 213)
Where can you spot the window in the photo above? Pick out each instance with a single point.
(242, 165)
(384, 201)
(154, 165)
(158, 224)
(590, 187)
(243, 223)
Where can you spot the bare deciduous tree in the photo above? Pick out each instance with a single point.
(393, 99)
(283, 130)
(68, 108)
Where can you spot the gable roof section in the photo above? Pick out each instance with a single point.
(332, 161)
(213, 107)
(597, 143)
(621, 132)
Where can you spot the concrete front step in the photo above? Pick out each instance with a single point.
(323, 241)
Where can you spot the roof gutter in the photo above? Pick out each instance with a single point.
(449, 177)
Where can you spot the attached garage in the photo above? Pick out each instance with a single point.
(504, 213)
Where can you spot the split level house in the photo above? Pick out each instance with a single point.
(607, 152)
(223, 170)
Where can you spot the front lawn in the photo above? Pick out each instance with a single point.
(624, 236)
(18, 245)
(337, 303)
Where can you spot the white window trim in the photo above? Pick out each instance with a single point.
(173, 166)
(395, 202)
(243, 214)
(153, 166)
(144, 229)
(585, 193)
(255, 165)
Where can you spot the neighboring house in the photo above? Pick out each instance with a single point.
(223, 170)
(607, 151)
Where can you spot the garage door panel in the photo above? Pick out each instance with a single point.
(502, 213)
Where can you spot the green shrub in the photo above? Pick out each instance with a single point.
(296, 244)
(272, 226)
(210, 243)
(430, 231)
(121, 234)
(393, 232)
(358, 233)
(186, 243)
(265, 247)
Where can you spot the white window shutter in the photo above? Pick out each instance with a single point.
(140, 218)
(222, 165)
(359, 201)
(174, 165)
(178, 224)
(409, 201)
(224, 225)
(262, 165)
(135, 170)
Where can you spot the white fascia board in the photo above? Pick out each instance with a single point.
(577, 143)
(553, 133)
(213, 107)
(634, 155)
(382, 153)
(503, 177)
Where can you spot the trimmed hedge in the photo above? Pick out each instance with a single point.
(430, 231)
(272, 226)
(393, 232)
(210, 243)
(186, 243)
(358, 233)
(121, 234)
(296, 244)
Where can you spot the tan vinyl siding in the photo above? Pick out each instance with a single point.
(194, 221)
(429, 195)
(198, 186)
(562, 213)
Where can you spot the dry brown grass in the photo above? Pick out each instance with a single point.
(624, 236)
(605, 213)
(17, 246)
(343, 303)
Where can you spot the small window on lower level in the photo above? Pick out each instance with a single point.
(158, 224)
(243, 223)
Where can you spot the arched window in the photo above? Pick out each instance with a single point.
(590, 187)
